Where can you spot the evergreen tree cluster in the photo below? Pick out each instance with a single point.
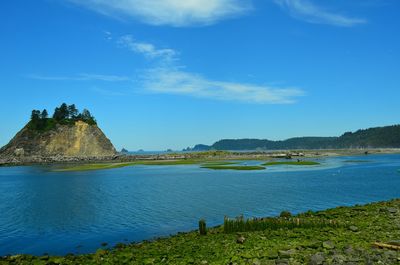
(378, 137)
(65, 114)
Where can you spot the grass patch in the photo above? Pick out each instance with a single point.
(240, 224)
(218, 163)
(90, 167)
(169, 162)
(100, 166)
(222, 167)
(291, 163)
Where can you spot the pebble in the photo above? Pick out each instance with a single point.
(317, 259)
(353, 228)
(328, 245)
(240, 240)
(286, 253)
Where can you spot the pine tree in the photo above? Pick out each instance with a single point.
(64, 113)
(35, 116)
(73, 112)
(57, 114)
(44, 114)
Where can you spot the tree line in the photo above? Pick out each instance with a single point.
(378, 137)
(65, 114)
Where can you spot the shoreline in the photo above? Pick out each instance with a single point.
(200, 156)
(352, 241)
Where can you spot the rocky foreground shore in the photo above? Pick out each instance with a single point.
(367, 234)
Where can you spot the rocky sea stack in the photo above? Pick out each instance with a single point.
(67, 136)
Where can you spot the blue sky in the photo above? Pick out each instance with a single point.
(161, 74)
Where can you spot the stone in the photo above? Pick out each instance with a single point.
(281, 262)
(328, 245)
(338, 258)
(313, 245)
(272, 255)
(240, 240)
(19, 152)
(286, 253)
(392, 210)
(353, 228)
(389, 254)
(317, 259)
(349, 250)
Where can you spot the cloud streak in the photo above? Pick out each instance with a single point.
(147, 49)
(166, 77)
(307, 11)
(178, 13)
(169, 78)
(174, 81)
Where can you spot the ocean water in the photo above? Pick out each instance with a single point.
(74, 212)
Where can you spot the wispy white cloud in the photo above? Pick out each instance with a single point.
(307, 11)
(147, 49)
(175, 81)
(169, 78)
(81, 77)
(178, 13)
(108, 35)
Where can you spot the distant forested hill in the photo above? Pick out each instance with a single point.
(379, 137)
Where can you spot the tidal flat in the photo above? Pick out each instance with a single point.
(362, 230)
(101, 166)
(237, 167)
(89, 167)
(291, 163)
(202, 163)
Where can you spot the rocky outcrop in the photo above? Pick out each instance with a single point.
(64, 142)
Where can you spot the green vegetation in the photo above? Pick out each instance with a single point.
(65, 114)
(240, 224)
(218, 163)
(379, 137)
(169, 162)
(285, 214)
(348, 242)
(292, 163)
(99, 166)
(222, 167)
(90, 167)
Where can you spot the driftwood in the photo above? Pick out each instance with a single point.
(389, 246)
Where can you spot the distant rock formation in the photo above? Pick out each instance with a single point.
(124, 151)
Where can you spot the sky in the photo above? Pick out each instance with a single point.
(161, 74)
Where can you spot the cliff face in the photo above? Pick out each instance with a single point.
(78, 140)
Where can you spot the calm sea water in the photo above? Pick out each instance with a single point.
(58, 213)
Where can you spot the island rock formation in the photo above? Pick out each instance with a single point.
(78, 140)
(48, 140)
